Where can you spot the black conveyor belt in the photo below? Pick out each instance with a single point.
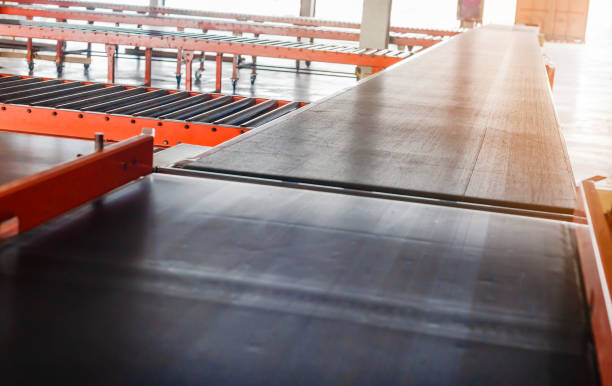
(471, 119)
(177, 280)
(22, 155)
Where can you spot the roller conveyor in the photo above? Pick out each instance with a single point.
(403, 39)
(78, 109)
(190, 41)
(296, 21)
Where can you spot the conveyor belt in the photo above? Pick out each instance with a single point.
(471, 119)
(177, 280)
(22, 155)
(78, 109)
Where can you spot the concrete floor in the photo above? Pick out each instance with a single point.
(583, 97)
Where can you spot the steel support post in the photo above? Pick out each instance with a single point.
(297, 62)
(148, 66)
(219, 70)
(86, 65)
(235, 74)
(188, 58)
(59, 52)
(179, 62)
(30, 54)
(111, 49)
(308, 61)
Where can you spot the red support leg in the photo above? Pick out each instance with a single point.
(179, 61)
(110, 53)
(235, 72)
(188, 57)
(59, 52)
(254, 67)
(202, 59)
(86, 65)
(148, 65)
(308, 61)
(30, 54)
(297, 62)
(219, 68)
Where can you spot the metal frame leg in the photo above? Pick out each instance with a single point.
(59, 52)
(219, 71)
(188, 58)
(308, 61)
(86, 65)
(297, 62)
(30, 56)
(200, 70)
(235, 74)
(148, 65)
(111, 49)
(179, 62)
(254, 66)
(30, 53)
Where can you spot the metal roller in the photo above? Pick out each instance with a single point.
(121, 102)
(133, 108)
(247, 114)
(9, 79)
(53, 94)
(103, 98)
(11, 97)
(20, 82)
(199, 108)
(174, 106)
(81, 93)
(223, 111)
(272, 115)
(31, 86)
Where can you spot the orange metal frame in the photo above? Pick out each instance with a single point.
(209, 25)
(81, 124)
(595, 247)
(32, 200)
(193, 44)
(298, 21)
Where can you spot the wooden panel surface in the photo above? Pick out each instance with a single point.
(469, 120)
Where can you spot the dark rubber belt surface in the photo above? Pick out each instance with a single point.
(22, 154)
(176, 280)
(471, 119)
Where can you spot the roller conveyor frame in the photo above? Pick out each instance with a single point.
(296, 21)
(403, 39)
(187, 43)
(79, 109)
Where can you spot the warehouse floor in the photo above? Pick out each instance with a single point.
(582, 95)
(581, 91)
